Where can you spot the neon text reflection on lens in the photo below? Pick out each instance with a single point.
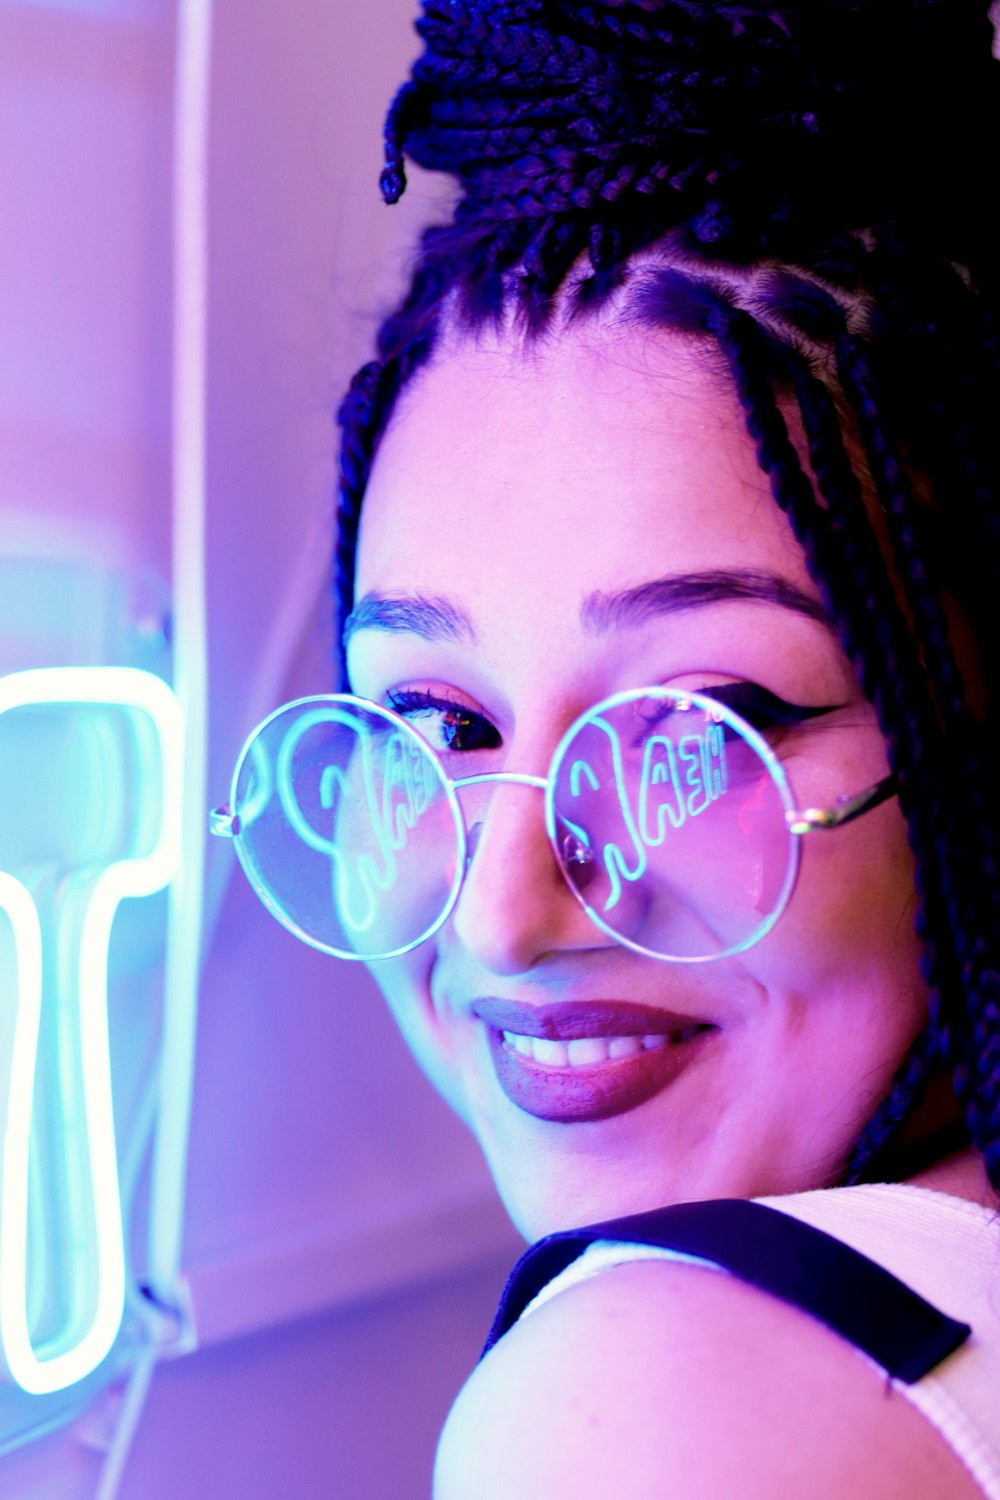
(377, 792)
(677, 781)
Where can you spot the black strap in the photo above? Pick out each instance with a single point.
(770, 1250)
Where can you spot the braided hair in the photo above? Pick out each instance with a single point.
(798, 186)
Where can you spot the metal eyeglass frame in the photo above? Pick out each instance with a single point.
(799, 821)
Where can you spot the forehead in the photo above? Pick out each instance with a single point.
(518, 482)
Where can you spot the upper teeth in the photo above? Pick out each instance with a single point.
(583, 1051)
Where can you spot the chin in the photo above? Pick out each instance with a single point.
(546, 1187)
(538, 1213)
(552, 1178)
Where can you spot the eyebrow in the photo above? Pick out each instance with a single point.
(437, 619)
(434, 619)
(680, 591)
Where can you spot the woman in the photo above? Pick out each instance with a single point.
(673, 487)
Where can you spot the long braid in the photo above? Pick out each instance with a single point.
(896, 668)
(922, 589)
(969, 863)
(839, 487)
(891, 674)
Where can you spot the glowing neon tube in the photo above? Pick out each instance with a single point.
(152, 705)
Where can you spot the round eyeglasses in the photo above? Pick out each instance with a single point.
(670, 818)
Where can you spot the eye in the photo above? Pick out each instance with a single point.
(784, 726)
(446, 725)
(762, 709)
(757, 706)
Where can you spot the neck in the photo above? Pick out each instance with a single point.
(962, 1175)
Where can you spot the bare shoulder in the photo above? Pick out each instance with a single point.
(656, 1381)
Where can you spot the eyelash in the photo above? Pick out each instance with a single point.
(762, 709)
(417, 703)
(772, 717)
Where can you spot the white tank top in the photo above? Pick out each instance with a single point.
(944, 1248)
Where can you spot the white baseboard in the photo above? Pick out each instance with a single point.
(325, 1267)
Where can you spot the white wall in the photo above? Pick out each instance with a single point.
(342, 1242)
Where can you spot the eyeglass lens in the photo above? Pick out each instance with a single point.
(665, 812)
(686, 852)
(347, 828)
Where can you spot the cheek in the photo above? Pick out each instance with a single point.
(848, 936)
(843, 993)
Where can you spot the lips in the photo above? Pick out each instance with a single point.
(636, 1052)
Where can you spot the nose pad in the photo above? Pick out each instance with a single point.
(579, 863)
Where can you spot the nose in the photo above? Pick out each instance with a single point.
(515, 907)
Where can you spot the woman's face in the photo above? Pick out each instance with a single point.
(514, 494)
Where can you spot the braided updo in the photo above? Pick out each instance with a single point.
(806, 188)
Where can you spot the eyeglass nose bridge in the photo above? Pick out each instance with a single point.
(514, 778)
(572, 852)
(519, 778)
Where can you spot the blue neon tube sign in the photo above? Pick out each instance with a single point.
(126, 739)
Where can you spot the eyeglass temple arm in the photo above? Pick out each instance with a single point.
(844, 810)
(225, 824)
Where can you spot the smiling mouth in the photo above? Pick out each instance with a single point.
(570, 1062)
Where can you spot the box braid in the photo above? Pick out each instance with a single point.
(795, 187)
